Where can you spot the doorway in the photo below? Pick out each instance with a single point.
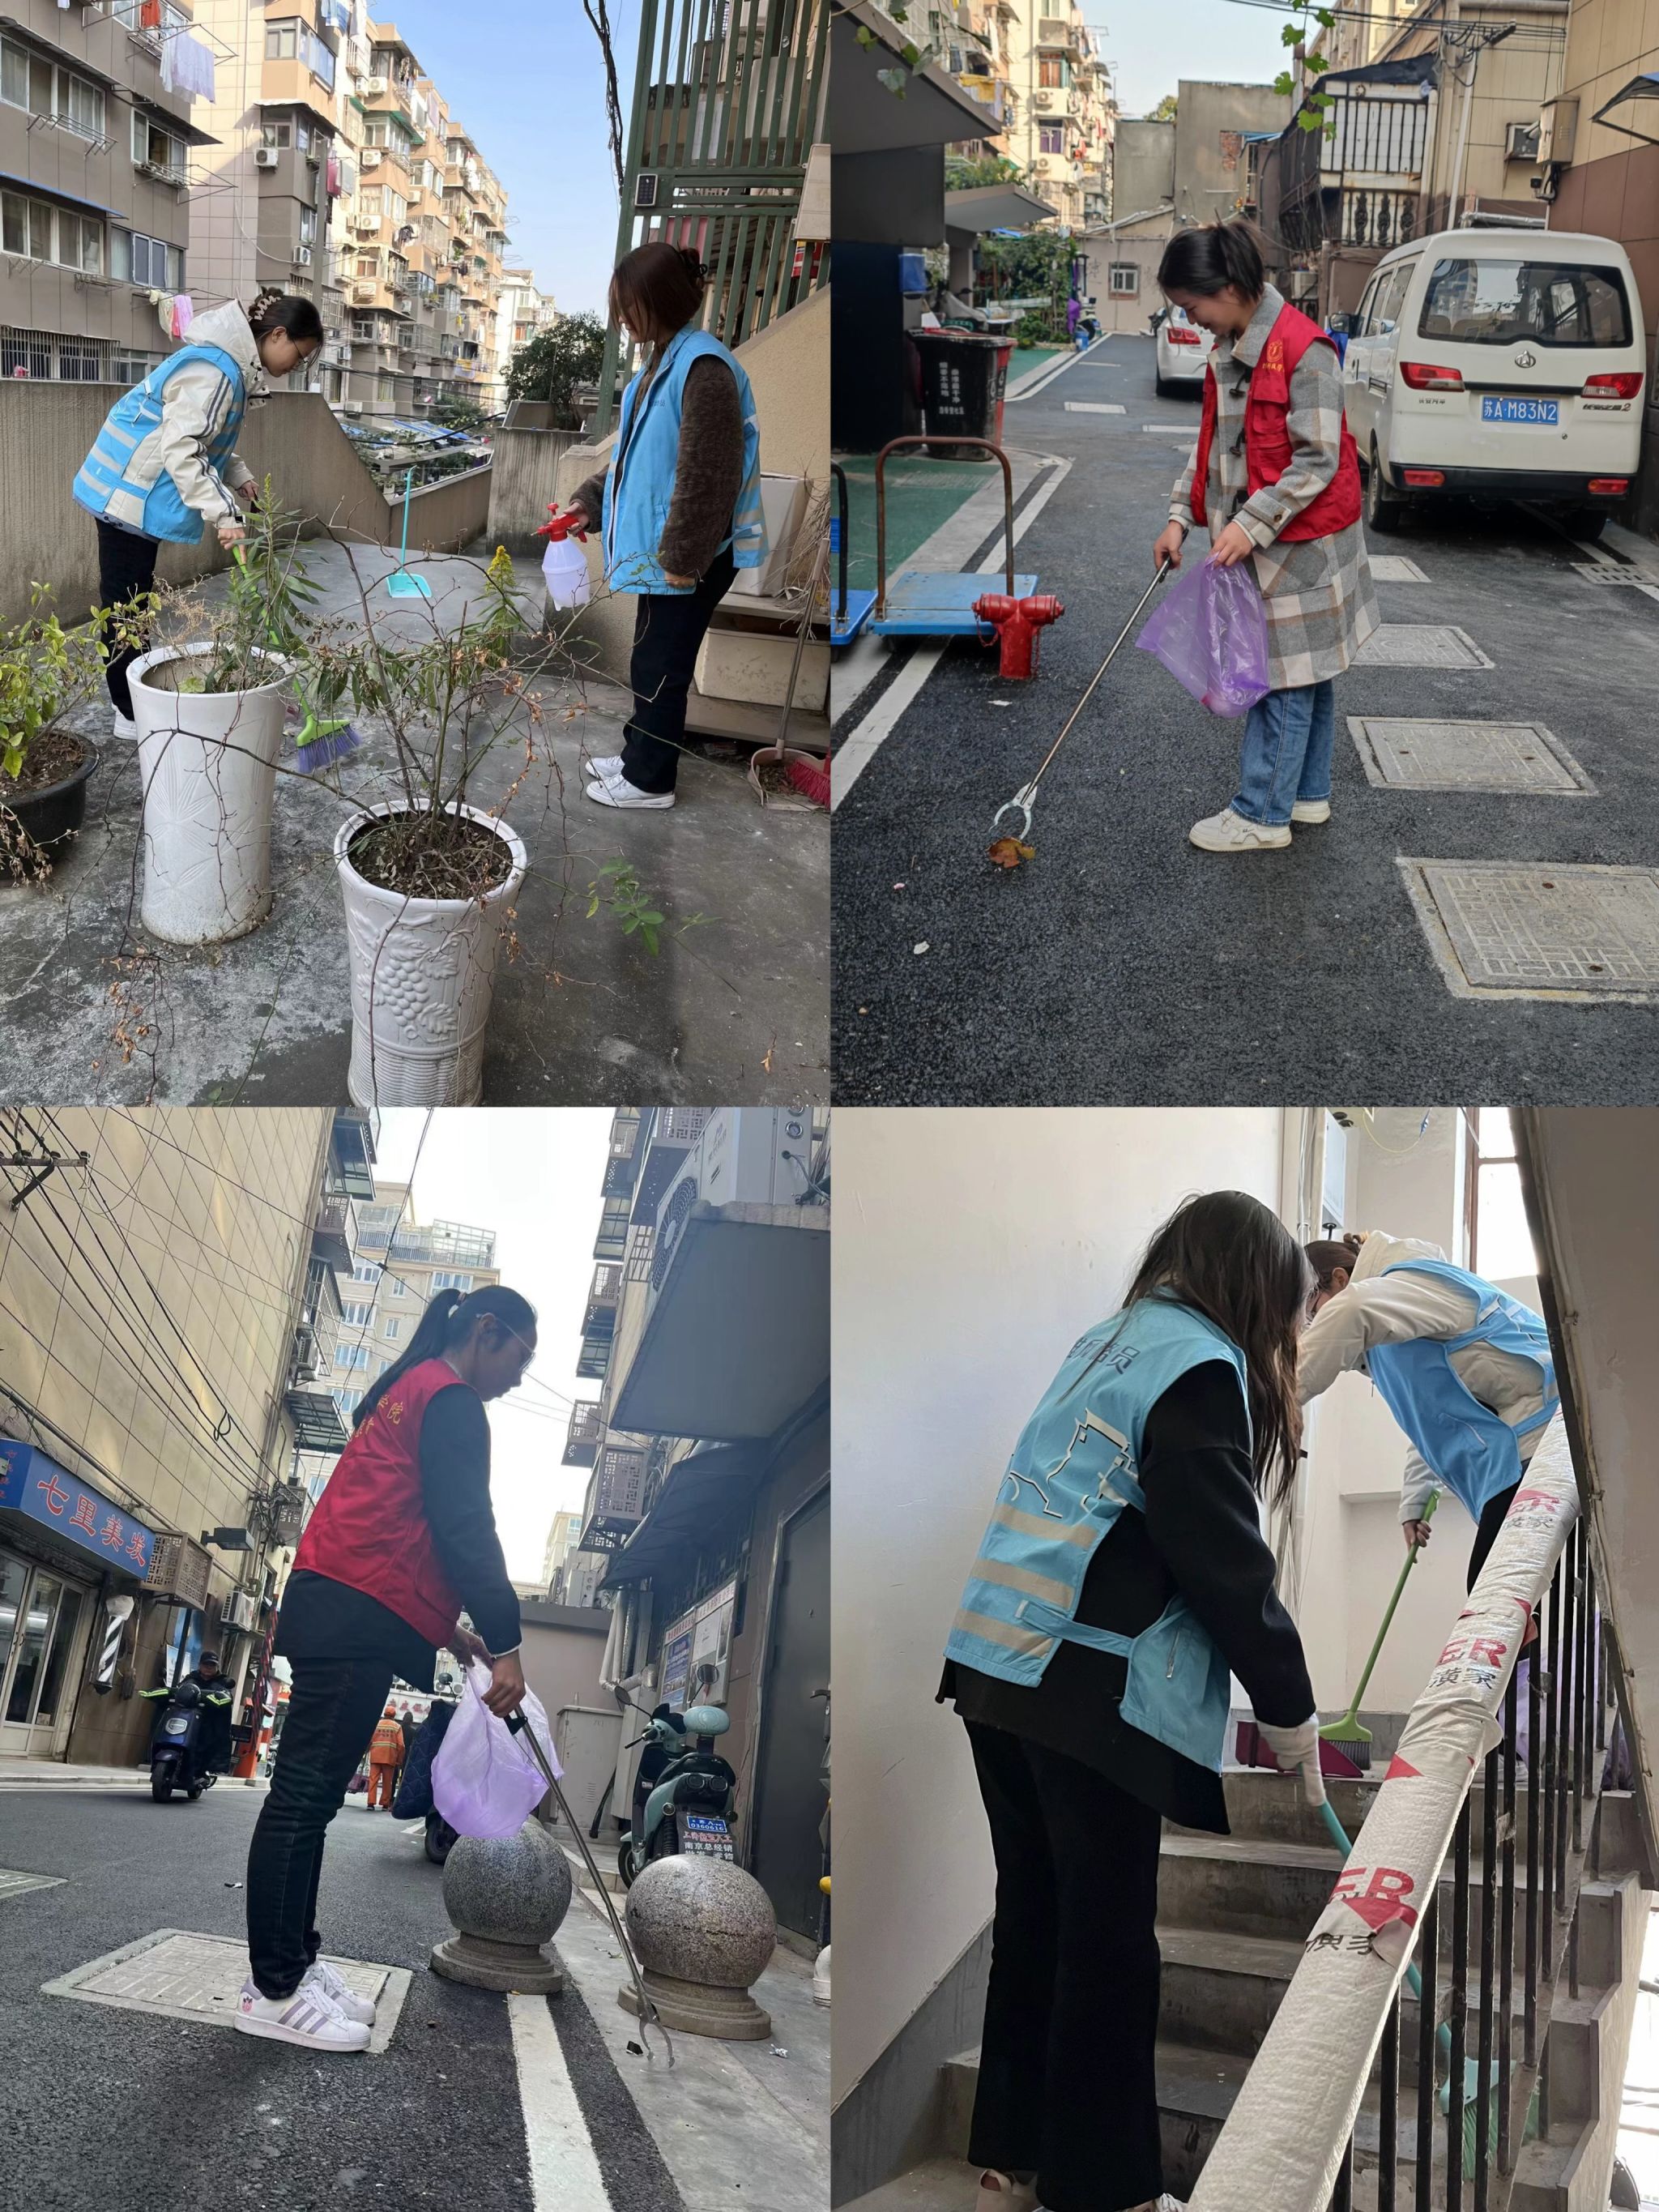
(788, 1850)
(42, 1616)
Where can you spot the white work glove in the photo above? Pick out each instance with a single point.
(1297, 1748)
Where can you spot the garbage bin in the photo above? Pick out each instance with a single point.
(963, 378)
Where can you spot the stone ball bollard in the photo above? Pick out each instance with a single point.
(703, 1930)
(508, 1897)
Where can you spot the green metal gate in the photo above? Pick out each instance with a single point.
(728, 100)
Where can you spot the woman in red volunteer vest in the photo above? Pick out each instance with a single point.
(402, 1541)
(1275, 479)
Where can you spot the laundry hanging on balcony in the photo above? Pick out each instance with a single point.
(188, 66)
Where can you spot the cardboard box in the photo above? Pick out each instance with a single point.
(783, 500)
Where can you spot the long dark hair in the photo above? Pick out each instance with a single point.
(449, 1320)
(1210, 256)
(1232, 1258)
(286, 311)
(656, 289)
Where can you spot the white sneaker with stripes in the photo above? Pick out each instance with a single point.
(339, 1992)
(308, 2018)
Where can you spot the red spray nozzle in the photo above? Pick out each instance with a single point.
(561, 526)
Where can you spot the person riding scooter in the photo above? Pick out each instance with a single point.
(1465, 1369)
(214, 1744)
(182, 1748)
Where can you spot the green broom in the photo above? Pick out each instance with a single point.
(1347, 1736)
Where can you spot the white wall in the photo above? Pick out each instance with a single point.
(972, 1248)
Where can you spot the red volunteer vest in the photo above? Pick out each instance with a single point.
(369, 1529)
(1267, 438)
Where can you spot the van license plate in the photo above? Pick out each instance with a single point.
(1520, 410)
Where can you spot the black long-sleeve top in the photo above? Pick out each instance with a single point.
(1199, 1535)
(324, 1620)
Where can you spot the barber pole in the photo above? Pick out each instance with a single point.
(120, 1612)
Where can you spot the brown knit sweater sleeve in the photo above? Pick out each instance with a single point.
(708, 474)
(589, 495)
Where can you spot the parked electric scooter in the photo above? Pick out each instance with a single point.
(683, 1796)
(175, 1757)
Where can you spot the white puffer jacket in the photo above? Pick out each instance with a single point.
(1373, 1311)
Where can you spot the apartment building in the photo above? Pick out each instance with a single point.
(168, 1308)
(477, 208)
(397, 1268)
(100, 135)
(1065, 112)
(523, 311)
(570, 1575)
(974, 40)
(707, 1328)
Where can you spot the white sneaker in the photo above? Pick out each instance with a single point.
(1000, 2192)
(339, 1992)
(616, 791)
(122, 726)
(1311, 809)
(308, 2018)
(607, 767)
(1228, 832)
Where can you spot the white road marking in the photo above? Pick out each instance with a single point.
(1039, 379)
(1168, 430)
(564, 2174)
(855, 754)
(1091, 407)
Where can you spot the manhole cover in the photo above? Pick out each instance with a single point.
(197, 1977)
(1513, 929)
(1420, 645)
(1602, 571)
(1451, 756)
(1396, 569)
(14, 1885)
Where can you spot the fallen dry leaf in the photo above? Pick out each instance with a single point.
(1008, 852)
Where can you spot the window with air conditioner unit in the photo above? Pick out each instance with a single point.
(265, 157)
(1521, 142)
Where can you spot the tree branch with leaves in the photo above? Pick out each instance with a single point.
(1304, 37)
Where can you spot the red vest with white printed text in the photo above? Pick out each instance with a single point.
(1267, 437)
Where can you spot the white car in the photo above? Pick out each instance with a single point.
(1496, 365)
(1183, 352)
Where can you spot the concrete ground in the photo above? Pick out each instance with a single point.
(735, 1005)
(1122, 963)
(502, 2103)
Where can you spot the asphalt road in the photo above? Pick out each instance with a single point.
(1122, 966)
(131, 2112)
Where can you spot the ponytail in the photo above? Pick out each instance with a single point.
(450, 1319)
(1327, 1254)
(1208, 258)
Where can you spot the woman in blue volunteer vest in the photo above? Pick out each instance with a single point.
(1122, 1575)
(165, 464)
(679, 508)
(1274, 477)
(1465, 1369)
(403, 1538)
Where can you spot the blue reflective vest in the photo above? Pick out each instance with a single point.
(639, 488)
(1074, 1472)
(1474, 1453)
(122, 475)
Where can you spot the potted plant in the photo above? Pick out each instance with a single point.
(428, 880)
(210, 716)
(47, 671)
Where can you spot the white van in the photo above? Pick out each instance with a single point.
(1498, 364)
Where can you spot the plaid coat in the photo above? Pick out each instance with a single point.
(1320, 602)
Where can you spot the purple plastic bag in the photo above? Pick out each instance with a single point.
(1210, 633)
(485, 1783)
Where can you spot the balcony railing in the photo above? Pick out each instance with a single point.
(581, 1441)
(1508, 1922)
(334, 1230)
(605, 1290)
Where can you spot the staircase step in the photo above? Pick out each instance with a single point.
(943, 2184)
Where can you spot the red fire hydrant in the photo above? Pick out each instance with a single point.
(1020, 624)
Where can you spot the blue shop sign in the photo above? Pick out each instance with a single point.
(35, 1485)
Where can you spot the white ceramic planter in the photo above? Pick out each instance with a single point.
(423, 976)
(208, 761)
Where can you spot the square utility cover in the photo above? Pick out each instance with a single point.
(1420, 645)
(1395, 568)
(1411, 754)
(198, 1977)
(1506, 929)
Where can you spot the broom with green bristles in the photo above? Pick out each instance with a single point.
(1348, 1735)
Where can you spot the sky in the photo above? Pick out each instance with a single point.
(532, 1175)
(532, 92)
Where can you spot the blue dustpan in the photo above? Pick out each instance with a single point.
(403, 583)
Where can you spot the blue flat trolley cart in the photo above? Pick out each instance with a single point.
(847, 610)
(935, 603)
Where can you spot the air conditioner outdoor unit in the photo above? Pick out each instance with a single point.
(302, 256)
(746, 1155)
(369, 158)
(308, 1359)
(351, 407)
(265, 157)
(1521, 142)
(238, 1610)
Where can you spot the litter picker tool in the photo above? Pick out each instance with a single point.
(520, 1726)
(1348, 1736)
(1024, 798)
(403, 583)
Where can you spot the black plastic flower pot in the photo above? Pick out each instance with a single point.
(58, 809)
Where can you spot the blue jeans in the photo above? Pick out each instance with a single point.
(1289, 737)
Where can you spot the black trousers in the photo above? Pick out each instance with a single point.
(332, 1708)
(668, 630)
(126, 570)
(1485, 1535)
(1066, 2082)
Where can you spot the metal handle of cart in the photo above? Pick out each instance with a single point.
(840, 475)
(985, 445)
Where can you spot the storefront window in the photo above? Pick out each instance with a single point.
(31, 1648)
(57, 1690)
(13, 1575)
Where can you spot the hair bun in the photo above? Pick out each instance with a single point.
(694, 261)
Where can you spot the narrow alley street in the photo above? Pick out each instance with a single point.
(1515, 962)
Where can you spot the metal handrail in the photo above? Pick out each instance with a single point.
(1289, 2140)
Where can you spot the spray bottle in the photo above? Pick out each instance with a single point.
(564, 564)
